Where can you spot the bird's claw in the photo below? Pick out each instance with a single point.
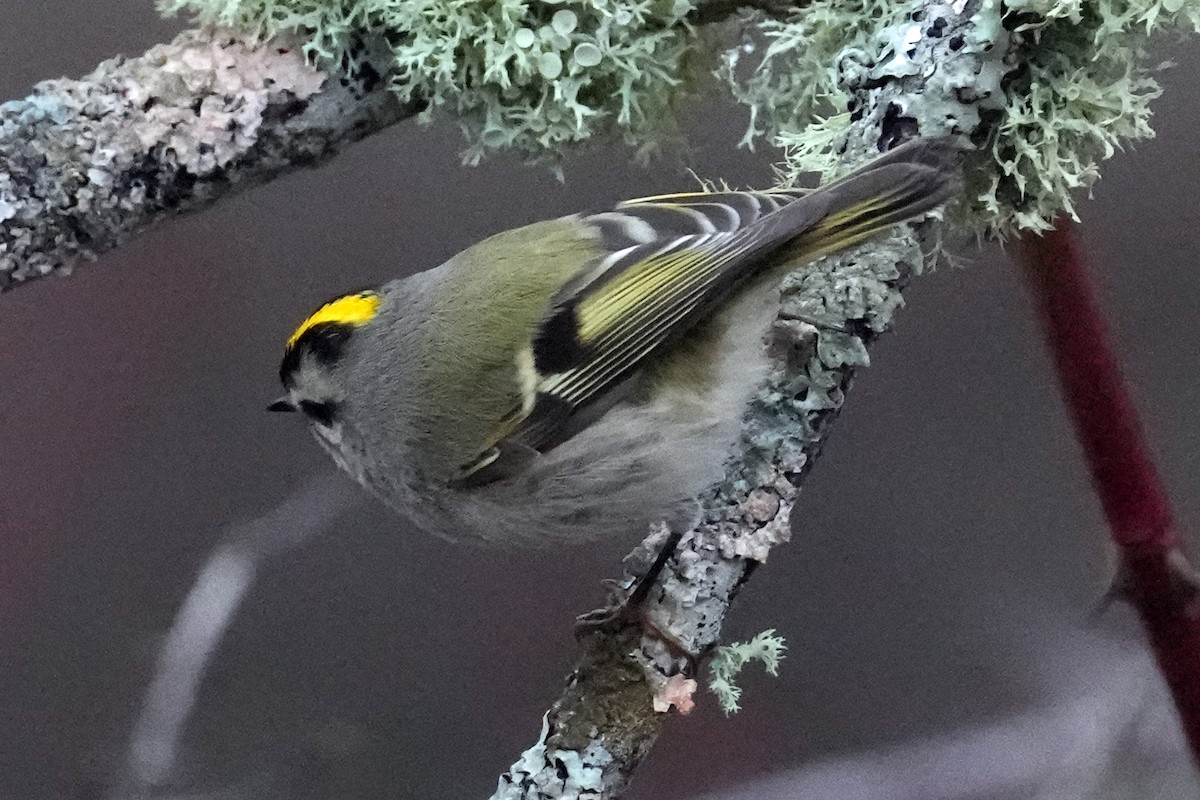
(626, 608)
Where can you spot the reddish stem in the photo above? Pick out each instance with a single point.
(1154, 576)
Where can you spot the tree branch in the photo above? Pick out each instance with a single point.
(86, 164)
(1154, 575)
(604, 722)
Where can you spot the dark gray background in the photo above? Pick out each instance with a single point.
(949, 517)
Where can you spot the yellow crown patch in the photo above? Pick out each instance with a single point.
(351, 309)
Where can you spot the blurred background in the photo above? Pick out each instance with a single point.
(947, 552)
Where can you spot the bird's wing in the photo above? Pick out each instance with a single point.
(668, 261)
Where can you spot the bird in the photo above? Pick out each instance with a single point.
(584, 376)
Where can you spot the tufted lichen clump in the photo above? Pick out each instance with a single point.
(1046, 89)
(1081, 89)
(728, 660)
(792, 88)
(531, 76)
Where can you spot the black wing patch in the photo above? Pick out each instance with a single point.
(556, 344)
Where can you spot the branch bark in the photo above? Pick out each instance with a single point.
(604, 722)
(86, 164)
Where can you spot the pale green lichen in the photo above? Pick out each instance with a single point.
(810, 149)
(730, 659)
(531, 76)
(1047, 89)
(1082, 90)
(794, 82)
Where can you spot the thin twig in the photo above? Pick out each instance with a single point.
(1154, 574)
(206, 613)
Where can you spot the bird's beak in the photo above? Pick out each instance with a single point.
(282, 404)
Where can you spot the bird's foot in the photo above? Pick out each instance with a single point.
(623, 613)
(626, 608)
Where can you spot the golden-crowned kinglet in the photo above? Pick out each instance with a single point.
(585, 375)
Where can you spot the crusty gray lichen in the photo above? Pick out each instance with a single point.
(530, 778)
(86, 163)
(962, 95)
(968, 44)
(749, 513)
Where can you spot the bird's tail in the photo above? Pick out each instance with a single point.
(901, 184)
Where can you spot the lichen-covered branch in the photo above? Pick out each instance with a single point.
(606, 720)
(85, 164)
(1065, 85)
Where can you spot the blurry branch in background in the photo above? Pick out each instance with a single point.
(204, 617)
(1153, 572)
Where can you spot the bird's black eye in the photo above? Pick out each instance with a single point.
(318, 412)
